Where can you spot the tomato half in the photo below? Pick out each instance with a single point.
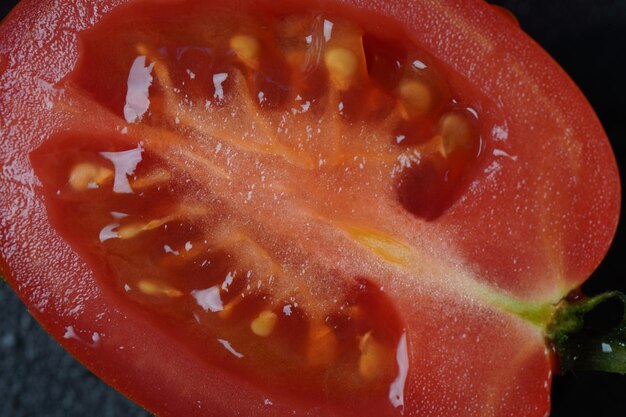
(330, 208)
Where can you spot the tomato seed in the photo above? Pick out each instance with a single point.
(156, 288)
(342, 66)
(247, 50)
(322, 345)
(416, 97)
(456, 133)
(85, 175)
(263, 325)
(376, 360)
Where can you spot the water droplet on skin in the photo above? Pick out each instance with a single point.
(95, 337)
(70, 333)
(396, 389)
(139, 82)
(218, 79)
(328, 29)
(125, 163)
(287, 310)
(168, 249)
(229, 348)
(419, 64)
(228, 280)
(209, 299)
(108, 232)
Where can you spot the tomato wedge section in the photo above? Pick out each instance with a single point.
(314, 209)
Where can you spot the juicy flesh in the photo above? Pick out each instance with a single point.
(256, 188)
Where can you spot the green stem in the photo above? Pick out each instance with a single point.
(580, 347)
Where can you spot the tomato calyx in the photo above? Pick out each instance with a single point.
(581, 337)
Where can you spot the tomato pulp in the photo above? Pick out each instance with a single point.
(326, 210)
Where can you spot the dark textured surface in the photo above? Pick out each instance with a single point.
(39, 379)
(587, 37)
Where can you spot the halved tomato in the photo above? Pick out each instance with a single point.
(326, 208)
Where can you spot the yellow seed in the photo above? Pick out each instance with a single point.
(264, 324)
(156, 288)
(456, 133)
(342, 65)
(382, 244)
(131, 230)
(153, 224)
(416, 97)
(103, 175)
(228, 308)
(376, 360)
(247, 49)
(85, 174)
(322, 345)
(156, 177)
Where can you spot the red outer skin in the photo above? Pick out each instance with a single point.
(554, 217)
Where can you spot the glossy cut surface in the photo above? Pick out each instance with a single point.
(332, 213)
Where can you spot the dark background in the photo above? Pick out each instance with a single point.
(587, 37)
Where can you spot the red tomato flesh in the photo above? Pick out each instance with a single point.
(305, 209)
(246, 139)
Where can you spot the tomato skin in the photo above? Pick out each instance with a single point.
(120, 328)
